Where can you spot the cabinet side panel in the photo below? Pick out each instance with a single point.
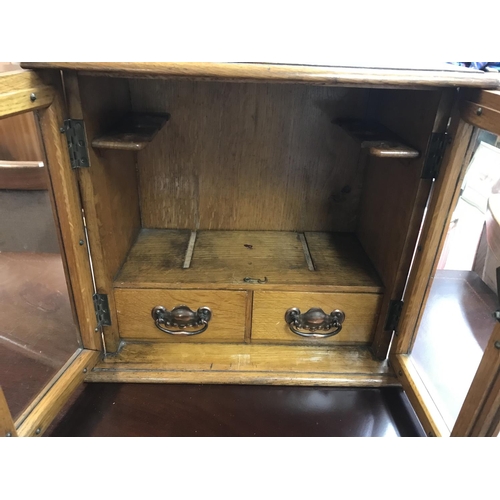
(109, 186)
(246, 156)
(395, 195)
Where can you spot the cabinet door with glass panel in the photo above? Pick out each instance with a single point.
(446, 351)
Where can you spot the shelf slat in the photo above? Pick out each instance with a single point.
(379, 140)
(133, 133)
(248, 260)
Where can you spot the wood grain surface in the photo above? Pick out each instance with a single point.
(249, 157)
(395, 195)
(269, 325)
(243, 364)
(7, 427)
(131, 133)
(17, 89)
(65, 196)
(431, 241)
(35, 307)
(223, 259)
(23, 176)
(226, 325)
(20, 138)
(38, 420)
(446, 75)
(422, 402)
(132, 410)
(109, 187)
(480, 413)
(481, 116)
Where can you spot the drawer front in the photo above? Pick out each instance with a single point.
(226, 324)
(268, 322)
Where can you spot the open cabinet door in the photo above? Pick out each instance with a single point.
(431, 315)
(41, 93)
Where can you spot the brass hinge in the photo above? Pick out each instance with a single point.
(77, 143)
(435, 153)
(101, 307)
(393, 315)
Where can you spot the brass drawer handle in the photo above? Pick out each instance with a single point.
(181, 317)
(314, 319)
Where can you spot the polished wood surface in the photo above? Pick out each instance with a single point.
(480, 413)
(27, 223)
(391, 185)
(35, 307)
(109, 187)
(481, 116)
(227, 324)
(249, 157)
(37, 332)
(205, 410)
(22, 375)
(28, 176)
(422, 402)
(17, 89)
(38, 420)
(269, 325)
(65, 195)
(223, 259)
(431, 240)
(395, 191)
(488, 98)
(243, 364)
(132, 133)
(446, 76)
(378, 140)
(7, 427)
(452, 336)
(19, 138)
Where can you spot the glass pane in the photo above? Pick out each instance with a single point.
(37, 329)
(457, 320)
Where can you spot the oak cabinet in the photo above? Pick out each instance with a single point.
(250, 223)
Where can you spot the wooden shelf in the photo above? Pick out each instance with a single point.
(243, 364)
(242, 260)
(379, 140)
(133, 133)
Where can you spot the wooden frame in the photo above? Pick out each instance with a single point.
(480, 413)
(7, 427)
(16, 90)
(35, 420)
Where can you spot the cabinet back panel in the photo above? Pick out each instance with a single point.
(243, 156)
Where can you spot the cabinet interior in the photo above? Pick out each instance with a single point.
(254, 186)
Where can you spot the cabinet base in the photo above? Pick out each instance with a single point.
(244, 364)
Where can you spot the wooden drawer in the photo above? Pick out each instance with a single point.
(227, 323)
(269, 325)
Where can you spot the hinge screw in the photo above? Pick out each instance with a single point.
(479, 111)
(62, 130)
(96, 329)
(81, 242)
(33, 97)
(85, 370)
(9, 434)
(497, 344)
(38, 431)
